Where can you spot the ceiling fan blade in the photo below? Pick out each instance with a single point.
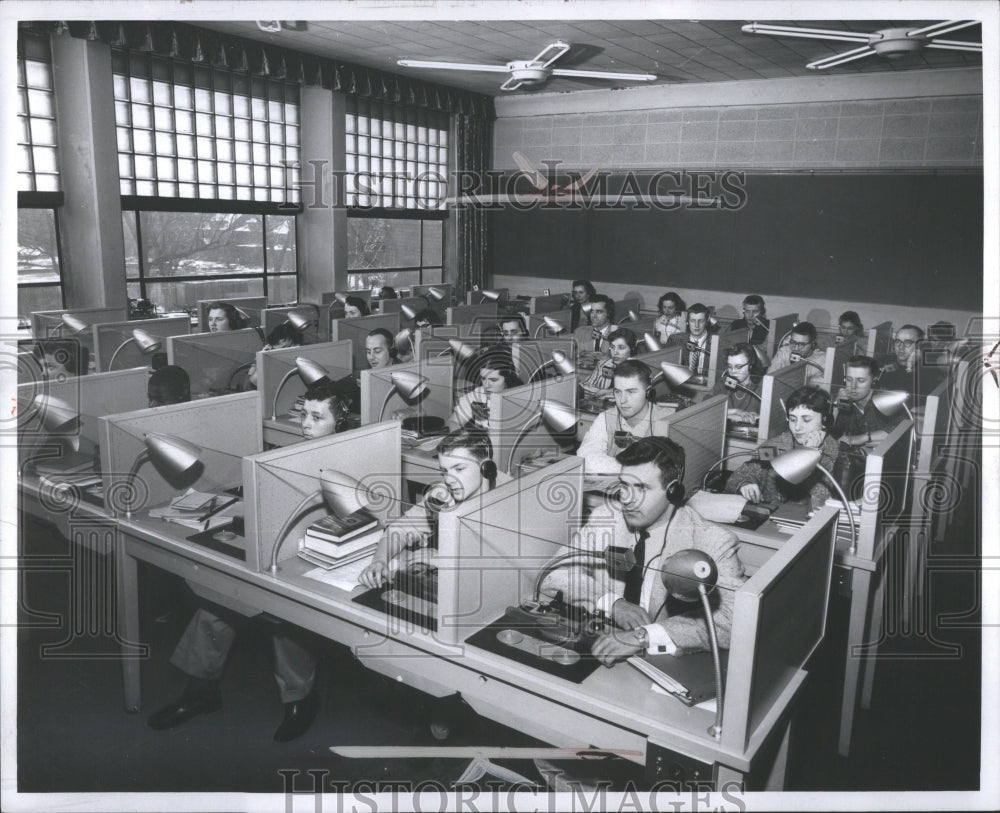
(955, 45)
(549, 54)
(639, 77)
(840, 59)
(537, 179)
(450, 66)
(807, 33)
(946, 27)
(511, 84)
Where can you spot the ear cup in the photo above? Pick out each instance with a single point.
(393, 352)
(488, 469)
(650, 393)
(675, 492)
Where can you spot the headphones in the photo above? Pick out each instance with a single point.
(487, 468)
(342, 415)
(675, 490)
(393, 352)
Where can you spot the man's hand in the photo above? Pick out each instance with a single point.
(751, 492)
(375, 575)
(628, 616)
(615, 646)
(408, 558)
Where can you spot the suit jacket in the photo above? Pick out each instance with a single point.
(598, 448)
(584, 336)
(759, 334)
(685, 624)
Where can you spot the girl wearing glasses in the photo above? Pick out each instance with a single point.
(741, 382)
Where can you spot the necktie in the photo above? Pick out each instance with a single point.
(633, 579)
(597, 341)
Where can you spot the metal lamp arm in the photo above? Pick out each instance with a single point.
(277, 392)
(847, 507)
(111, 364)
(308, 503)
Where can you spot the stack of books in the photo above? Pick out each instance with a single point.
(200, 510)
(336, 541)
(789, 517)
(295, 410)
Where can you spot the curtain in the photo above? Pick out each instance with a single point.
(201, 46)
(474, 145)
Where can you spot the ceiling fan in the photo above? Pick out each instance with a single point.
(892, 43)
(528, 72)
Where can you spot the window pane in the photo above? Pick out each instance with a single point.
(195, 244)
(382, 243)
(376, 279)
(433, 242)
(37, 248)
(281, 289)
(46, 298)
(131, 245)
(180, 296)
(280, 244)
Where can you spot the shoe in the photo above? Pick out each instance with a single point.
(202, 697)
(299, 715)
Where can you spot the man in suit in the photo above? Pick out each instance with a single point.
(754, 321)
(650, 518)
(697, 346)
(592, 339)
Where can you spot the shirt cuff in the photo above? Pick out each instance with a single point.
(606, 602)
(659, 641)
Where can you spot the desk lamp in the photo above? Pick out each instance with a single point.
(796, 465)
(407, 311)
(403, 342)
(489, 296)
(172, 455)
(408, 386)
(554, 327)
(556, 415)
(337, 491)
(250, 323)
(690, 575)
(760, 453)
(631, 316)
(561, 363)
(57, 416)
(300, 322)
(308, 370)
(146, 343)
(75, 324)
(436, 294)
(652, 343)
(462, 350)
(586, 306)
(676, 375)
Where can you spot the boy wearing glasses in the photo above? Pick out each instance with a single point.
(903, 370)
(741, 382)
(802, 346)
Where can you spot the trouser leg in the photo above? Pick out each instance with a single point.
(204, 646)
(294, 668)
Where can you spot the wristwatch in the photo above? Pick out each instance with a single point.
(641, 637)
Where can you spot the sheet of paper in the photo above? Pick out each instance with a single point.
(717, 507)
(344, 577)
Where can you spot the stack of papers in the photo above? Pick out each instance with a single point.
(199, 510)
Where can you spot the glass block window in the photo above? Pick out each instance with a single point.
(38, 164)
(397, 157)
(194, 131)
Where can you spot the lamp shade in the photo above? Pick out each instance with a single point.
(403, 342)
(652, 343)
(409, 385)
(436, 293)
(796, 465)
(461, 350)
(298, 321)
(889, 402)
(586, 306)
(559, 417)
(341, 298)
(686, 570)
(341, 492)
(146, 343)
(675, 374)
(407, 311)
(309, 371)
(490, 296)
(761, 355)
(631, 316)
(73, 323)
(172, 454)
(56, 414)
(562, 363)
(553, 325)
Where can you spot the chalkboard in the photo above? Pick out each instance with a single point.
(903, 239)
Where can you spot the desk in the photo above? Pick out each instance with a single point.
(612, 708)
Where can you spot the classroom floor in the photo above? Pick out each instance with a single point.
(73, 735)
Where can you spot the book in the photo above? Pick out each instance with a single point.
(192, 500)
(341, 550)
(340, 529)
(690, 678)
(365, 552)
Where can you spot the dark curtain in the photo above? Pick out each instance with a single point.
(474, 147)
(201, 46)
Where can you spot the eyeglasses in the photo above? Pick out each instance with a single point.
(737, 367)
(799, 344)
(903, 342)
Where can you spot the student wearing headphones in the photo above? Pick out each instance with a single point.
(496, 374)
(743, 373)
(650, 518)
(204, 646)
(754, 320)
(223, 316)
(635, 415)
(592, 339)
(282, 336)
(465, 458)
(380, 351)
(801, 345)
(622, 344)
(809, 419)
(355, 306)
(168, 385)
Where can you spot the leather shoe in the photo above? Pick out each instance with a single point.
(189, 704)
(299, 715)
